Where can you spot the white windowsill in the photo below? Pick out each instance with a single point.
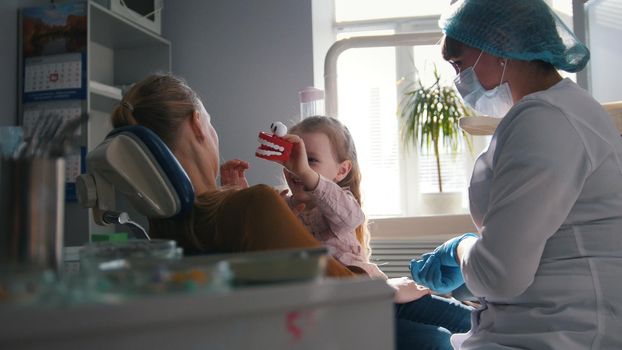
(421, 227)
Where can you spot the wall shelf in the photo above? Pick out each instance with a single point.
(118, 32)
(104, 90)
(109, 51)
(484, 125)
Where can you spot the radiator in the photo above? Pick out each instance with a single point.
(393, 255)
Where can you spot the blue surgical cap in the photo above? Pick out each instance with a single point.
(526, 30)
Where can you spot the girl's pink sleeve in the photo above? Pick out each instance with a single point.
(338, 206)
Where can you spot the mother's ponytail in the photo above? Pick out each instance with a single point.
(123, 115)
(160, 102)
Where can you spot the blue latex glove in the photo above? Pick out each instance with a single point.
(440, 270)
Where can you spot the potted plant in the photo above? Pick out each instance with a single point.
(429, 117)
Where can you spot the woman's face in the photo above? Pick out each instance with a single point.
(211, 140)
(488, 68)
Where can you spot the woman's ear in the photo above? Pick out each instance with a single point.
(197, 126)
(344, 170)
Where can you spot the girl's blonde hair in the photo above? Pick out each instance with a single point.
(344, 149)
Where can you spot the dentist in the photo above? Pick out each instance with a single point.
(546, 196)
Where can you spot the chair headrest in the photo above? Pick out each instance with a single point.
(140, 166)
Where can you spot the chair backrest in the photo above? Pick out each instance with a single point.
(137, 163)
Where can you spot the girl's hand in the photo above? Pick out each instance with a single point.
(299, 208)
(232, 173)
(406, 290)
(298, 163)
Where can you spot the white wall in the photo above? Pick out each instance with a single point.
(247, 59)
(8, 59)
(604, 33)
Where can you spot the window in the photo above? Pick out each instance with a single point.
(357, 10)
(398, 180)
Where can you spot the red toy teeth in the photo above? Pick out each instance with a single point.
(272, 146)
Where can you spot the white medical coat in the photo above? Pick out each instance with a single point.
(546, 198)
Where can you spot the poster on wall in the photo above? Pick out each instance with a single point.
(54, 70)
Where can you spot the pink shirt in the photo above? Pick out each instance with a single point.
(333, 222)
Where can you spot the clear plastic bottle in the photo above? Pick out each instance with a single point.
(311, 102)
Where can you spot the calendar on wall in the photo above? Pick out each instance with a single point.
(58, 72)
(74, 166)
(66, 110)
(53, 75)
(35, 113)
(54, 52)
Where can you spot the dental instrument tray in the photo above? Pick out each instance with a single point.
(273, 266)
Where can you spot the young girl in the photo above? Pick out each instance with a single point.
(324, 178)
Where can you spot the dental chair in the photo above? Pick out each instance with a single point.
(134, 162)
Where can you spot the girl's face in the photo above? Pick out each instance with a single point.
(321, 158)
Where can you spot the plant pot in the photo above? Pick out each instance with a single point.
(440, 203)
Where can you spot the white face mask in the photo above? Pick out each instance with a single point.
(495, 102)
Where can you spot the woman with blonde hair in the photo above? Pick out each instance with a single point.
(223, 220)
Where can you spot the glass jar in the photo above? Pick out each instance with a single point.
(311, 102)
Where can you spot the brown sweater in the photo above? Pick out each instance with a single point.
(251, 219)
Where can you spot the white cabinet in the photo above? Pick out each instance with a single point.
(349, 314)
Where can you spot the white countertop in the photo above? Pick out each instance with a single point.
(318, 314)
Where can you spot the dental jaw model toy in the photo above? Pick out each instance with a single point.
(273, 146)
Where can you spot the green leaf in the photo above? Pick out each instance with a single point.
(431, 114)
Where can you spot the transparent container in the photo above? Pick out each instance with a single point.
(96, 255)
(311, 102)
(131, 278)
(114, 271)
(10, 138)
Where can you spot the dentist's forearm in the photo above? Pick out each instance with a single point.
(465, 245)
